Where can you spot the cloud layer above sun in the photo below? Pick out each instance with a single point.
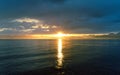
(49, 16)
(27, 26)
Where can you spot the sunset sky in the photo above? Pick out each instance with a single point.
(51, 16)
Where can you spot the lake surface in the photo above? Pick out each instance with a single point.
(59, 57)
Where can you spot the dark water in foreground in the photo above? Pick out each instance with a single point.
(59, 57)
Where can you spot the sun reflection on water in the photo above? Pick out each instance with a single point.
(59, 54)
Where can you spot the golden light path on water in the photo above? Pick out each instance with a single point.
(59, 54)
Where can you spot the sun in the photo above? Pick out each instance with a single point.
(60, 34)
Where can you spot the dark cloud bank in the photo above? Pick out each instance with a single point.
(74, 16)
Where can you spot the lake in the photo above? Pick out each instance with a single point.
(59, 57)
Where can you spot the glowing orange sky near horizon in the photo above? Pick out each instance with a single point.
(58, 35)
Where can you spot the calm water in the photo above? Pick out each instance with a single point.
(59, 57)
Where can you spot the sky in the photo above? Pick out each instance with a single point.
(51, 16)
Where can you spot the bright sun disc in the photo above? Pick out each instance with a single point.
(60, 34)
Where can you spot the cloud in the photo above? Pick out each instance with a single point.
(79, 16)
(7, 29)
(25, 26)
(2, 29)
(27, 30)
(27, 20)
